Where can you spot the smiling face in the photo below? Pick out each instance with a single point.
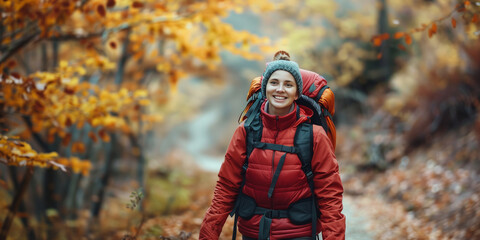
(281, 91)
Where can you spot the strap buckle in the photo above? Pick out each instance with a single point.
(244, 168)
(272, 214)
(260, 145)
(309, 174)
(286, 148)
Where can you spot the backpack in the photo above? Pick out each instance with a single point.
(318, 97)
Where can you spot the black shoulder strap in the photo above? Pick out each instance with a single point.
(304, 142)
(253, 128)
(318, 111)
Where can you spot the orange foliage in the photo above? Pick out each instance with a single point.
(196, 29)
(475, 18)
(399, 35)
(408, 39)
(432, 30)
(377, 40)
(55, 102)
(14, 152)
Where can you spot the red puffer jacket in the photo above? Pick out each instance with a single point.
(290, 187)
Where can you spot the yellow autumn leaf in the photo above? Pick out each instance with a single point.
(123, 93)
(86, 166)
(105, 95)
(81, 71)
(144, 102)
(78, 147)
(163, 67)
(96, 122)
(90, 62)
(110, 122)
(63, 64)
(47, 156)
(140, 94)
(104, 135)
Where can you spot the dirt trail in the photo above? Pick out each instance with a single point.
(357, 221)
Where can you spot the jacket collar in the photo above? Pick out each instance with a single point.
(298, 115)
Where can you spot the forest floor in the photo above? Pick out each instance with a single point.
(429, 192)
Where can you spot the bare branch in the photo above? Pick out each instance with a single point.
(19, 45)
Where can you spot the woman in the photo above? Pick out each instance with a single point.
(274, 180)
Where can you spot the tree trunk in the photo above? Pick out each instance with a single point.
(1, 34)
(55, 46)
(113, 144)
(383, 27)
(123, 60)
(21, 207)
(108, 169)
(44, 57)
(83, 194)
(7, 223)
(71, 185)
(141, 161)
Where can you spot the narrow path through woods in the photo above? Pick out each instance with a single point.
(357, 221)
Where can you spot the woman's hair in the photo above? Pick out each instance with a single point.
(281, 55)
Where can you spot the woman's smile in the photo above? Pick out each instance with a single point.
(279, 98)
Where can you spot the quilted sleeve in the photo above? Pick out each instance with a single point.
(328, 187)
(227, 187)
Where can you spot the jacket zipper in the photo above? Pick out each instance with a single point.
(273, 156)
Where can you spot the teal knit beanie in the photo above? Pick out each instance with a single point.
(289, 66)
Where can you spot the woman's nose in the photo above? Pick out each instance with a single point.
(280, 88)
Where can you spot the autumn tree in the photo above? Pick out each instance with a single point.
(79, 80)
